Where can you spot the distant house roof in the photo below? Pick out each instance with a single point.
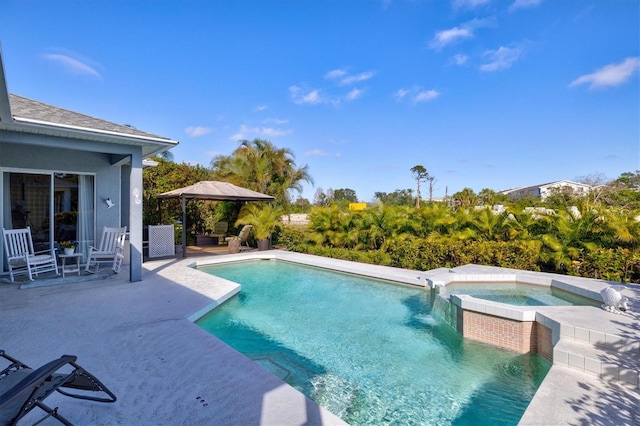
(544, 189)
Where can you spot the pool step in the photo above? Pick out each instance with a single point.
(609, 361)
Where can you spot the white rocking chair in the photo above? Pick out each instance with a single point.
(21, 259)
(111, 244)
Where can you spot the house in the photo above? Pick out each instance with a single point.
(544, 190)
(67, 175)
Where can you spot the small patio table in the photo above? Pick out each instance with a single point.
(68, 269)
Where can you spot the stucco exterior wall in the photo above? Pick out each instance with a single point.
(111, 165)
(46, 159)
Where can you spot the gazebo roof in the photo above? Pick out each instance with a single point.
(215, 190)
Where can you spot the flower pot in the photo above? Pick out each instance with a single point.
(234, 246)
(69, 251)
(264, 244)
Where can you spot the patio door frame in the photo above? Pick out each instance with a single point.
(7, 215)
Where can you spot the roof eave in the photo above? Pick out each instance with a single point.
(151, 146)
(71, 131)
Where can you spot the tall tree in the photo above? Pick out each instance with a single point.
(420, 174)
(432, 181)
(399, 197)
(345, 194)
(260, 166)
(167, 176)
(466, 198)
(320, 198)
(487, 196)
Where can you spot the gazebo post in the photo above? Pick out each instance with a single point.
(184, 226)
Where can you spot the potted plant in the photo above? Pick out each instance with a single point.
(177, 236)
(264, 218)
(69, 246)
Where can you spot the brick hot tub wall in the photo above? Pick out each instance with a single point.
(518, 336)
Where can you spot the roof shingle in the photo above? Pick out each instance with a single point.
(30, 109)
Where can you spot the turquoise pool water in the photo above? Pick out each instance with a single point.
(521, 294)
(367, 350)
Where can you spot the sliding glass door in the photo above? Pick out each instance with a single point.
(56, 206)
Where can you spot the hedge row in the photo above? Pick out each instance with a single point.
(622, 265)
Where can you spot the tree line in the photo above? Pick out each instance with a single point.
(594, 235)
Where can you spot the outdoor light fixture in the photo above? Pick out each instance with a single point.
(109, 203)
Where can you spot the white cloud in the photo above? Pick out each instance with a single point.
(335, 74)
(195, 131)
(446, 37)
(72, 65)
(343, 78)
(305, 96)
(320, 153)
(261, 108)
(357, 78)
(464, 31)
(459, 59)
(426, 95)
(275, 121)
(354, 94)
(310, 96)
(401, 93)
(416, 94)
(501, 58)
(468, 4)
(246, 132)
(524, 4)
(609, 75)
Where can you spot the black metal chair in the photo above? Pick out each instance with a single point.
(23, 388)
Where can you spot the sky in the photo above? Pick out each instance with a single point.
(482, 93)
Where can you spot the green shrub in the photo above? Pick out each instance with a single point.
(619, 264)
(292, 238)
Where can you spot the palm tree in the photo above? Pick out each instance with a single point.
(490, 226)
(466, 198)
(571, 235)
(260, 166)
(264, 218)
(383, 223)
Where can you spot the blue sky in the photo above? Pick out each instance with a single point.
(482, 93)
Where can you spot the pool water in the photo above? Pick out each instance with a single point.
(367, 350)
(520, 294)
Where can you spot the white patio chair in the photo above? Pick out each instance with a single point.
(244, 236)
(21, 259)
(111, 244)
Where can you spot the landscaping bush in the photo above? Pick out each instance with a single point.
(617, 264)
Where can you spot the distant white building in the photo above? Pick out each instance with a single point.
(544, 190)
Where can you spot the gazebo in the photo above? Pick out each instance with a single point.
(210, 190)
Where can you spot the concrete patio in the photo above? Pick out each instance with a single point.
(140, 340)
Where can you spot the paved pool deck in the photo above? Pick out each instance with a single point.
(140, 340)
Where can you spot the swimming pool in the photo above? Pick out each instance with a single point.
(367, 350)
(520, 294)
